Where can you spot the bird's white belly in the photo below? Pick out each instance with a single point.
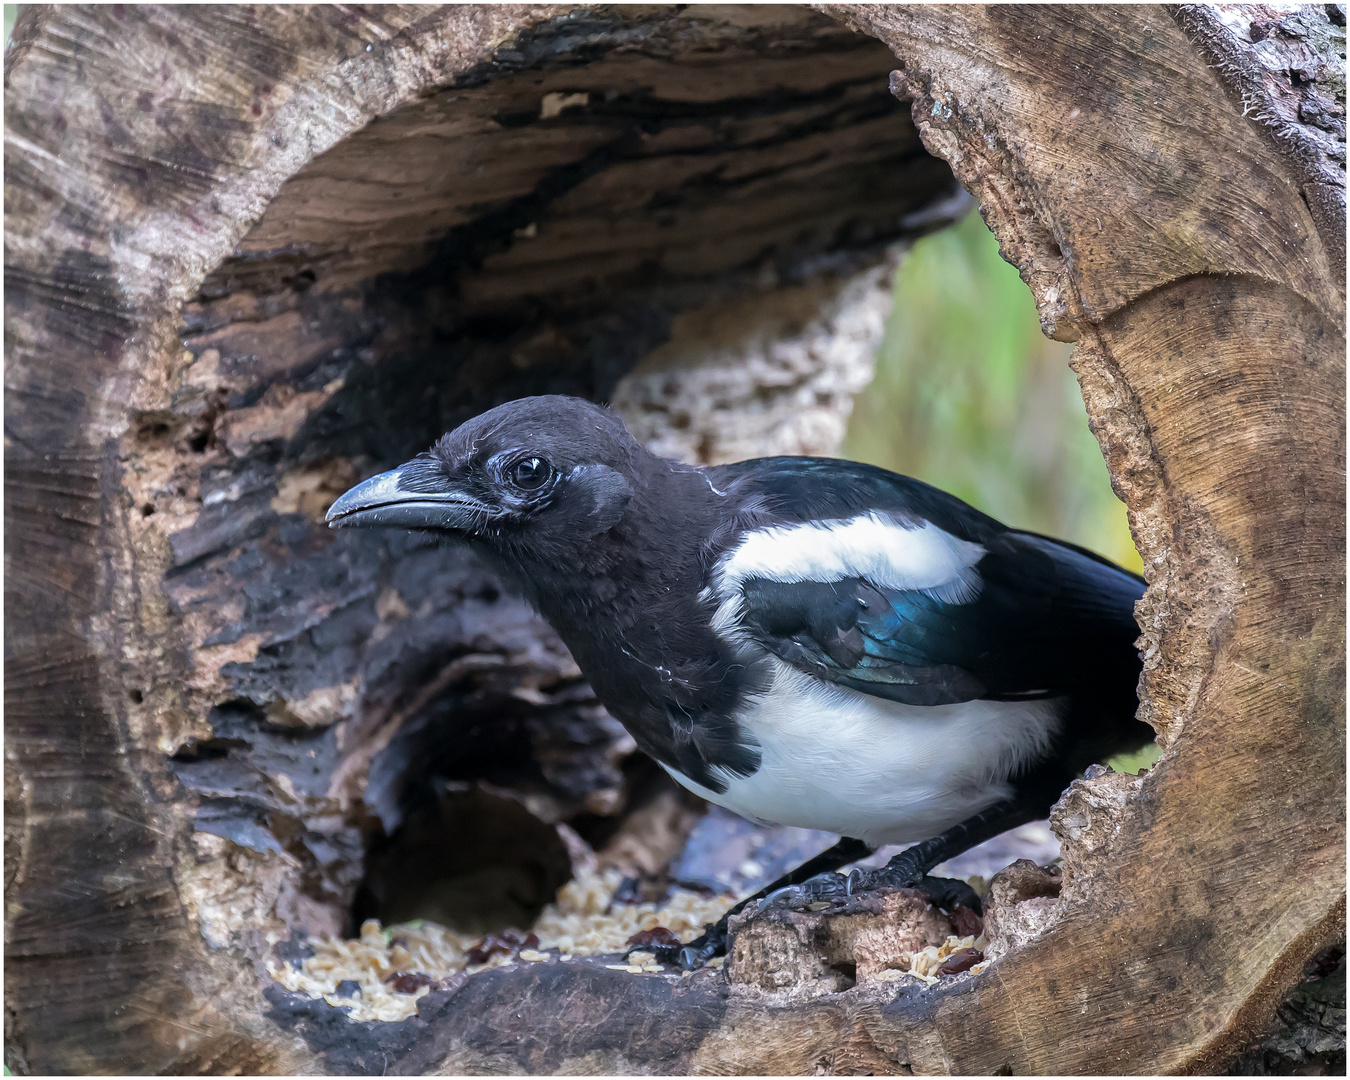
(877, 770)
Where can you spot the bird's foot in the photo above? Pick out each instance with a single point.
(813, 893)
(903, 873)
(819, 890)
(692, 956)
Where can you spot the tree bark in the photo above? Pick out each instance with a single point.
(253, 254)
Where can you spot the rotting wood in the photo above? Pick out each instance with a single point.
(225, 277)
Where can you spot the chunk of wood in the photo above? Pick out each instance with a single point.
(809, 953)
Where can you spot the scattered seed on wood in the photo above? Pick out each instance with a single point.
(500, 943)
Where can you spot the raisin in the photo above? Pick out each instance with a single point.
(408, 982)
(500, 943)
(966, 923)
(960, 961)
(656, 936)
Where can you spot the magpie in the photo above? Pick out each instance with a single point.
(804, 641)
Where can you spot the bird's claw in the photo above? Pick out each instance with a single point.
(858, 882)
(696, 954)
(693, 956)
(900, 873)
(945, 893)
(829, 888)
(823, 888)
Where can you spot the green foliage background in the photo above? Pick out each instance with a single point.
(971, 397)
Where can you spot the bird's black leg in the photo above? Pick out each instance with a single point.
(910, 868)
(713, 941)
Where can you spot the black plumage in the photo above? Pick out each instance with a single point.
(710, 608)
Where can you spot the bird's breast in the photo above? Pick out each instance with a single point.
(876, 770)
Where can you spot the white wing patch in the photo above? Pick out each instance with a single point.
(871, 546)
(847, 762)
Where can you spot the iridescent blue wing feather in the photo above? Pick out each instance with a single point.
(1043, 618)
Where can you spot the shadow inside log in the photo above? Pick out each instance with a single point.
(465, 858)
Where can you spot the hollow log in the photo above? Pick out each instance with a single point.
(254, 254)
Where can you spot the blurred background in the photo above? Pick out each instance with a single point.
(971, 397)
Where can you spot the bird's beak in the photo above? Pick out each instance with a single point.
(379, 501)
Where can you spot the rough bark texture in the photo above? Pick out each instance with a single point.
(1309, 1036)
(253, 254)
(1287, 68)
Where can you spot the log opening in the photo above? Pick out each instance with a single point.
(680, 189)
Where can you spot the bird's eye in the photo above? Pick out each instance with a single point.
(529, 474)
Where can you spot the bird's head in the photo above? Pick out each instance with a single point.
(538, 477)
